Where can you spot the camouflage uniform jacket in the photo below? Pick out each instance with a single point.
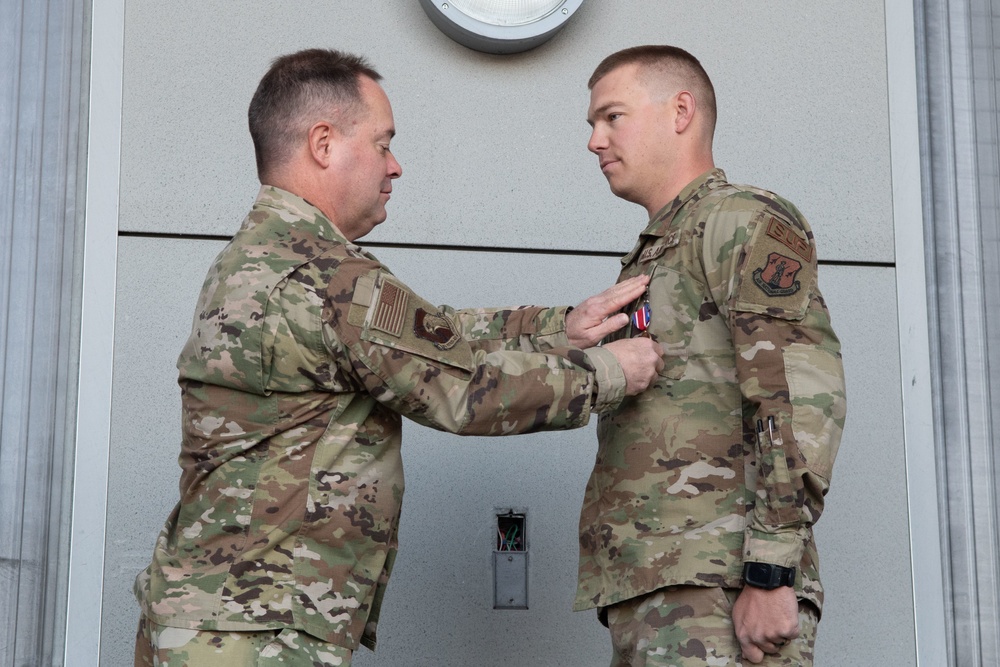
(691, 477)
(304, 353)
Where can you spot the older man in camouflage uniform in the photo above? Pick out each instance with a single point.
(304, 352)
(696, 530)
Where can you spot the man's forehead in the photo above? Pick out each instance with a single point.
(615, 88)
(378, 107)
(634, 84)
(625, 73)
(600, 104)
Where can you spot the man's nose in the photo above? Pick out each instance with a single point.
(597, 141)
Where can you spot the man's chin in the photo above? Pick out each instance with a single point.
(376, 221)
(619, 190)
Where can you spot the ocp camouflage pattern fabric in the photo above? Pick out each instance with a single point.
(303, 354)
(728, 456)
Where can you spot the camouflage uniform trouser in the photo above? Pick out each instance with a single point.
(161, 646)
(692, 626)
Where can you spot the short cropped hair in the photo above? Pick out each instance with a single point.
(298, 90)
(661, 60)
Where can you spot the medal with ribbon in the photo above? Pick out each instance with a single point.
(642, 316)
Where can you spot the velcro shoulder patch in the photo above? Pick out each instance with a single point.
(438, 328)
(388, 307)
(399, 319)
(361, 299)
(778, 276)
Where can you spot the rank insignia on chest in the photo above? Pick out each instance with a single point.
(641, 317)
(777, 277)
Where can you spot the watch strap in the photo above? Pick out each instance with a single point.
(767, 575)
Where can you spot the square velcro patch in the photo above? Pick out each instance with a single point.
(780, 271)
(389, 311)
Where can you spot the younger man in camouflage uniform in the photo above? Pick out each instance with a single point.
(304, 353)
(696, 538)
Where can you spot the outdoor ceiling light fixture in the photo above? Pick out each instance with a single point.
(500, 26)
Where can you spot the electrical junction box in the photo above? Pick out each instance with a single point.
(510, 561)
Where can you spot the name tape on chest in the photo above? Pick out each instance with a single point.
(669, 241)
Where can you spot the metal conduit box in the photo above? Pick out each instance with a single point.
(510, 561)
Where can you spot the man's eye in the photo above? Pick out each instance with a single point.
(614, 116)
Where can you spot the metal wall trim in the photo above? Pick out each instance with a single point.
(914, 345)
(93, 433)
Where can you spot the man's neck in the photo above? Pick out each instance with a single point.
(310, 191)
(675, 185)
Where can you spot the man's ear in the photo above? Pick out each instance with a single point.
(321, 139)
(685, 107)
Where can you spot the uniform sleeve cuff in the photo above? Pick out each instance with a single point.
(551, 331)
(609, 379)
(784, 549)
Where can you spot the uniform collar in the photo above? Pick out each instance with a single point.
(298, 212)
(699, 187)
(664, 218)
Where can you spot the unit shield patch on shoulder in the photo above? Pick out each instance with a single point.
(437, 328)
(779, 272)
(777, 278)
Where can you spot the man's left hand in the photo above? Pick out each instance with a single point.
(765, 620)
(598, 316)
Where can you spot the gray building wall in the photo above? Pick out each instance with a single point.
(494, 157)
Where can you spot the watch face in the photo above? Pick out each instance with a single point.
(759, 573)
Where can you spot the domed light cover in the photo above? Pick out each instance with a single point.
(500, 26)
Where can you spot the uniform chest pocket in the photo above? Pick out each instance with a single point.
(674, 302)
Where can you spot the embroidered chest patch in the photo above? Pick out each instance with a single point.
(652, 253)
(669, 241)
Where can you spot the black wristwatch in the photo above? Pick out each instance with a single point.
(767, 576)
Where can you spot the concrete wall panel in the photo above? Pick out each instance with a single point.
(439, 606)
(494, 155)
(493, 148)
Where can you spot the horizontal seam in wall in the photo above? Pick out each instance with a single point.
(470, 248)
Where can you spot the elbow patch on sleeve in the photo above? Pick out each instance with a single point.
(816, 385)
(778, 276)
(391, 315)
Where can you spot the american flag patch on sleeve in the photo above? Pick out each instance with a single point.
(390, 309)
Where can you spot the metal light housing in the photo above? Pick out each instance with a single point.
(500, 26)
